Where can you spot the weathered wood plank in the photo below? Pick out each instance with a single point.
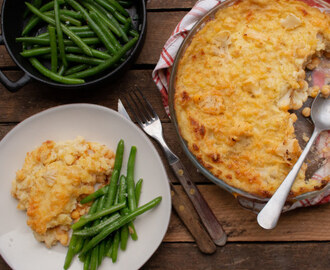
(3, 264)
(169, 4)
(159, 29)
(36, 97)
(237, 256)
(5, 59)
(242, 256)
(305, 224)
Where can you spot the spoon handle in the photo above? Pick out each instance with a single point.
(269, 215)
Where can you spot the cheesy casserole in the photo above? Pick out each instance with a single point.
(53, 177)
(235, 84)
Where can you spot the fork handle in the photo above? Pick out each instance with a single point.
(187, 213)
(209, 220)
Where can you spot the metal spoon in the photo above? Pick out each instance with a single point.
(269, 215)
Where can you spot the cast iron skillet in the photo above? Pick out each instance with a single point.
(12, 24)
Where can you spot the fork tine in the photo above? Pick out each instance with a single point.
(147, 114)
(149, 105)
(136, 117)
(142, 117)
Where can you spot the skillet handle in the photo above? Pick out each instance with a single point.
(10, 85)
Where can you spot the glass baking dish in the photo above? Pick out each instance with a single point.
(247, 200)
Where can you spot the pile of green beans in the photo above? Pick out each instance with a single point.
(109, 221)
(71, 40)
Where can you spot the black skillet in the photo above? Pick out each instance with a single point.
(12, 23)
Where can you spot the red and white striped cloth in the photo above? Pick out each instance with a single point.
(162, 72)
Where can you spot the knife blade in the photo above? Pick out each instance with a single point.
(184, 209)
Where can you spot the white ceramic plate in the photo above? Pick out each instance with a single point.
(18, 246)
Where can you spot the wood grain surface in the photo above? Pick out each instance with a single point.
(302, 238)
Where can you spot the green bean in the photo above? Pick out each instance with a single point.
(43, 35)
(70, 253)
(72, 14)
(130, 227)
(77, 40)
(79, 28)
(125, 4)
(115, 44)
(36, 3)
(64, 18)
(133, 33)
(58, 78)
(115, 246)
(88, 41)
(79, 59)
(101, 251)
(93, 25)
(61, 70)
(107, 34)
(115, 174)
(76, 242)
(106, 5)
(122, 193)
(110, 8)
(80, 242)
(97, 205)
(53, 48)
(119, 155)
(35, 19)
(75, 69)
(108, 248)
(107, 63)
(95, 195)
(88, 218)
(95, 229)
(138, 188)
(87, 261)
(69, 20)
(34, 40)
(45, 41)
(118, 7)
(94, 258)
(85, 34)
(92, 7)
(122, 198)
(83, 59)
(130, 180)
(123, 237)
(132, 231)
(110, 18)
(126, 26)
(96, 53)
(35, 52)
(119, 223)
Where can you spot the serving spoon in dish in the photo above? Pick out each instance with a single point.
(269, 215)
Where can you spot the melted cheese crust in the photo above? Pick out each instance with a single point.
(53, 177)
(235, 84)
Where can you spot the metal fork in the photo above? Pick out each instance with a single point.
(149, 121)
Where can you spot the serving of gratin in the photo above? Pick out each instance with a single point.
(234, 87)
(54, 176)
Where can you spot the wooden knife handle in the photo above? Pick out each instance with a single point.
(189, 217)
(205, 213)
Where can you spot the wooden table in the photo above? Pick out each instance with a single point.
(301, 240)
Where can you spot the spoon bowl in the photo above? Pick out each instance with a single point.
(320, 113)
